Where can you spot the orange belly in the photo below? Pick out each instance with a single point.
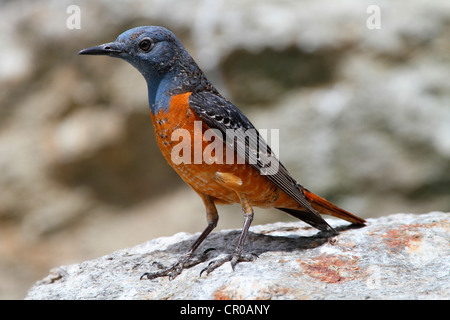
(201, 177)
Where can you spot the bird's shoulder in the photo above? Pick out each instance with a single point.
(217, 112)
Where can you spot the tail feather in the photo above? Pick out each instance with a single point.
(313, 219)
(324, 206)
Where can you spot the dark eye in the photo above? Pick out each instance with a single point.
(145, 44)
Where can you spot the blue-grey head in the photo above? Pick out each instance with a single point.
(160, 57)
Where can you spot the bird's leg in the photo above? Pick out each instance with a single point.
(237, 255)
(247, 211)
(185, 261)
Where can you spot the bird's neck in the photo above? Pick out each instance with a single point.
(158, 92)
(178, 80)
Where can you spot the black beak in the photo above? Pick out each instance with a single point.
(112, 49)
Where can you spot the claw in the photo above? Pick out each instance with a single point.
(208, 250)
(206, 269)
(234, 259)
(147, 275)
(174, 270)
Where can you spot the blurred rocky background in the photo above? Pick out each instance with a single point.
(363, 113)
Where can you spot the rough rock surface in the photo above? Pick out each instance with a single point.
(401, 256)
(364, 117)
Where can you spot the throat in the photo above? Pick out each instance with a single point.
(158, 94)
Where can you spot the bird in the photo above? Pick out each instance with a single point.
(182, 99)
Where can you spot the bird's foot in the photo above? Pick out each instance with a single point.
(232, 258)
(174, 270)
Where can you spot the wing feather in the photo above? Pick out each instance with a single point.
(218, 113)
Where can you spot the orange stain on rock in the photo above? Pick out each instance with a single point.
(331, 269)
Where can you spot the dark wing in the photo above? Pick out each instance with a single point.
(242, 136)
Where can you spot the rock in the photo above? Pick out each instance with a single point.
(401, 256)
(363, 114)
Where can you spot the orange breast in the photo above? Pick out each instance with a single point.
(201, 176)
